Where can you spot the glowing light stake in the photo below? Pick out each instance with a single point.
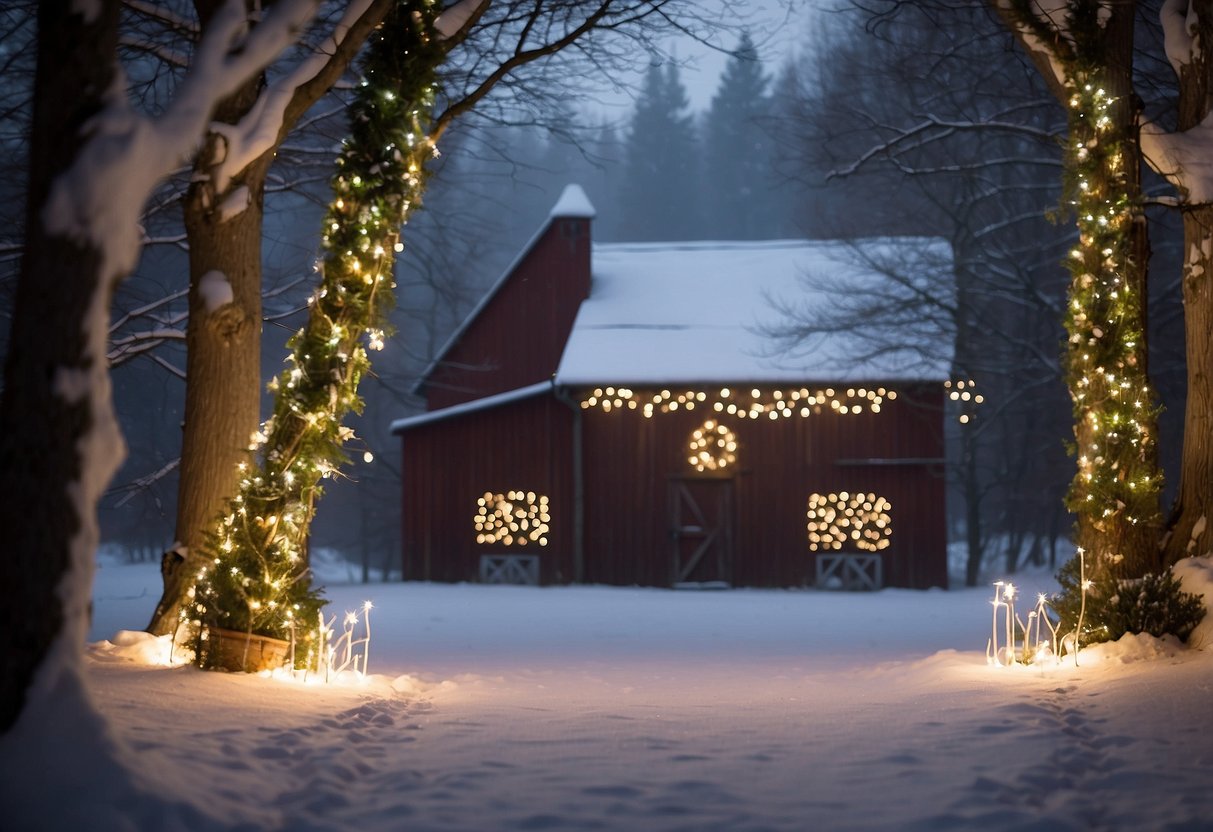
(992, 648)
(1008, 593)
(347, 645)
(367, 606)
(1035, 647)
(1083, 585)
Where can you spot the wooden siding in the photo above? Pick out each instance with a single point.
(518, 337)
(630, 463)
(447, 465)
(780, 462)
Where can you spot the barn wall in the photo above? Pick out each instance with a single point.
(780, 463)
(518, 338)
(629, 462)
(447, 465)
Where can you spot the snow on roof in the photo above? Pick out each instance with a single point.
(663, 313)
(573, 203)
(487, 403)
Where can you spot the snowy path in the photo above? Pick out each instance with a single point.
(622, 709)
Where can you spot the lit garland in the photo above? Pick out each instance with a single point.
(965, 394)
(514, 518)
(772, 404)
(1114, 414)
(861, 520)
(713, 447)
(257, 579)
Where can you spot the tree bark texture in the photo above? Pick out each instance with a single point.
(1187, 531)
(223, 371)
(44, 496)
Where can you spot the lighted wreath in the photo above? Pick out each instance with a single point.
(516, 518)
(713, 447)
(859, 520)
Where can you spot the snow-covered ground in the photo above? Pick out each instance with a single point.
(641, 709)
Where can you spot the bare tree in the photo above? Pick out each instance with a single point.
(898, 124)
(94, 160)
(490, 46)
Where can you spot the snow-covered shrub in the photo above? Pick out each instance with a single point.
(1153, 604)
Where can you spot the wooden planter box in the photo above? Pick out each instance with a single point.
(234, 650)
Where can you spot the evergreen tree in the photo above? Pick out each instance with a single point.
(738, 172)
(659, 194)
(603, 164)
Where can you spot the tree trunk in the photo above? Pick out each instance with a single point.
(1115, 492)
(223, 361)
(1088, 64)
(223, 365)
(59, 442)
(1187, 531)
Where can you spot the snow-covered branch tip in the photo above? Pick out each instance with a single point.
(1179, 20)
(260, 129)
(454, 18)
(1184, 159)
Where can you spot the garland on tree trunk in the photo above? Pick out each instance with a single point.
(257, 579)
(1115, 418)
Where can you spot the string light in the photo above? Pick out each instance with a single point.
(964, 393)
(259, 583)
(771, 404)
(713, 447)
(1114, 419)
(859, 520)
(515, 518)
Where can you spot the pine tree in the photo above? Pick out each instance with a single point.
(737, 152)
(659, 194)
(604, 154)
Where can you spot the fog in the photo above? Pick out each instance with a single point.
(814, 130)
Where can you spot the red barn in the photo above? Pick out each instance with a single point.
(621, 414)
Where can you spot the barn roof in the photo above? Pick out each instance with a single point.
(721, 311)
(486, 403)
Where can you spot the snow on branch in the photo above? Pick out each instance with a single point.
(146, 481)
(921, 134)
(1179, 21)
(259, 130)
(1042, 26)
(148, 46)
(1185, 159)
(454, 18)
(98, 199)
(147, 309)
(166, 17)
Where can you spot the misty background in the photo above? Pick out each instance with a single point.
(835, 122)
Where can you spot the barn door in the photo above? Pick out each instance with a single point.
(701, 530)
